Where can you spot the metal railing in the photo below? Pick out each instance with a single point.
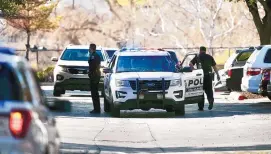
(45, 55)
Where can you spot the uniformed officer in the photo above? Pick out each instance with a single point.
(207, 63)
(94, 76)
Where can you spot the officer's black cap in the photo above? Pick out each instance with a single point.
(202, 48)
(92, 46)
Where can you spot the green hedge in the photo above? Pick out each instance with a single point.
(46, 75)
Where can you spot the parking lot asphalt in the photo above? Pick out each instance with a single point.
(231, 127)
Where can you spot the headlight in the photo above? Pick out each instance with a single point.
(122, 83)
(177, 82)
(62, 68)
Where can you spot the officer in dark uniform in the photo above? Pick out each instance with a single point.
(94, 76)
(207, 63)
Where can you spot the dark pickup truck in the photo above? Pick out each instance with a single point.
(235, 72)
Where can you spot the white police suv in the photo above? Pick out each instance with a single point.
(148, 78)
(71, 69)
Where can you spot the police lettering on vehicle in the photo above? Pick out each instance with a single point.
(195, 82)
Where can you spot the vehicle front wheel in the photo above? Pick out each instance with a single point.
(115, 110)
(170, 109)
(57, 93)
(180, 110)
(106, 105)
(63, 92)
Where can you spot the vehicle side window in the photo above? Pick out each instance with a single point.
(267, 58)
(243, 56)
(188, 59)
(27, 93)
(10, 86)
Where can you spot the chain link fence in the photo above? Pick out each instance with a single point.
(221, 54)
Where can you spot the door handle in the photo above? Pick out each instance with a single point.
(198, 74)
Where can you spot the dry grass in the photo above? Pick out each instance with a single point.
(251, 96)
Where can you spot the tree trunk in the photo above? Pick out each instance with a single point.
(263, 25)
(27, 45)
(265, 31)
(265, 37)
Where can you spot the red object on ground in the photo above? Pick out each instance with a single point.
(242, 97)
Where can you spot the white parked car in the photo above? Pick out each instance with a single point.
(259, 60)
(145, 79)
(26, 125)
(71, 69)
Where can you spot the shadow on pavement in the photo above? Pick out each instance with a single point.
(81, 109)
(108, 148)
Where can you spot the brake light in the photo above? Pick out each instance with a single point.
(229, 73)
(19, 122)
(253, 71)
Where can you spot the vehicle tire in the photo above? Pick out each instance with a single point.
(102, 93)
(180, 110)
(57, 93)
(63, 92)
(170, 109)
(106, 105)
(115, 110)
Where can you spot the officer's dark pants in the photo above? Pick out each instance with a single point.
(94, 89)
(208, 88)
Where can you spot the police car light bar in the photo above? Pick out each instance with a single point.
(6, 50)
(137, 49)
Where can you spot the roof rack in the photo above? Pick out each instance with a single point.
(6, 50)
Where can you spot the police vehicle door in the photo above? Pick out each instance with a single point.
(193, 80)
(107, 76)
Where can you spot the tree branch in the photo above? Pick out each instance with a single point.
(253, 8)
(112, 10)
(264, 4)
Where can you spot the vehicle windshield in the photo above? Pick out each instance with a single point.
(145, 64)
(10, 89)
(78, 55)
(110, 53)
(173, 56)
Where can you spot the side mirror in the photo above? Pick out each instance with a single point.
(186, 69)
(107, 70)
(55, 59)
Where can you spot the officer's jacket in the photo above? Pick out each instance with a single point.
(94, 62)
(206, 61)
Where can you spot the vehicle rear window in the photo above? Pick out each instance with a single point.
(145, 64)
(10, 89)
(267, 58)
(244, 56)
(78, 55)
